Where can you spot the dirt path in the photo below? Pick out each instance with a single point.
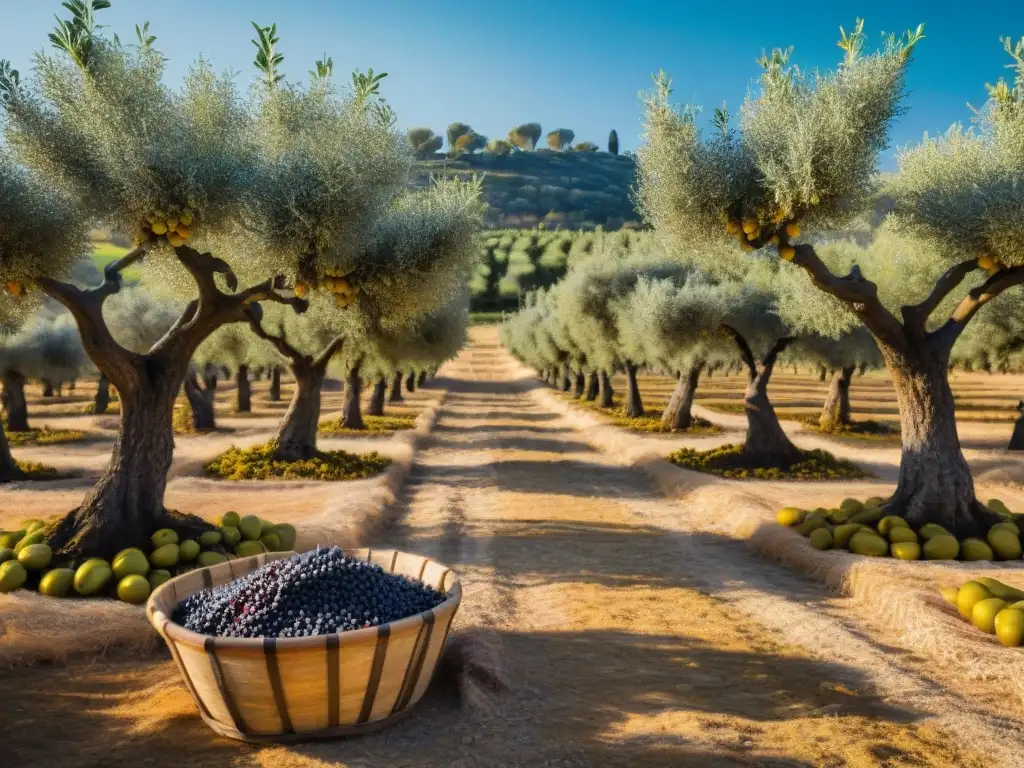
(627, 644)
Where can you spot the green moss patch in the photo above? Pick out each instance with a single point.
(729, 461)
(375, 425)
(258, 463)
(46, 436)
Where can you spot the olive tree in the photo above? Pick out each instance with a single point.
(424, 344)
(217, 188)
(46, 348)
(39, 229)
(805, 155)
(419, 254)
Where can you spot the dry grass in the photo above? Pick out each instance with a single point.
(35, 629)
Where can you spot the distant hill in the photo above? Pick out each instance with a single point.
(566, 190)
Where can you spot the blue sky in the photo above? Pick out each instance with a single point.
(575, 65)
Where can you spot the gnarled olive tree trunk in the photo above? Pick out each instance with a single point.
(605, 391)
(101, 400)
(593, 387)
(200, 401)
(395, 395)
(47, 388)
(9, 471)
(244, 389)
(351, 411)
(14, 401)
(410, 382)
(678, 413)
(296, 436)
(376, 404)
(275, 384)
(126, 505)
(580, 385)
(634, 405)
(766, 444)
(935, 482)
(421, 379)
(565, 378)
(836, 413)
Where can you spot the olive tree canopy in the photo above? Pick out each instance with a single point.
(804, 155)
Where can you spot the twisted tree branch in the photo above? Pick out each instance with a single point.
(745, 353)
(329, 351)
(947, 334)
(916, 315)
(777, 349)
(279, 341)
(857, 292)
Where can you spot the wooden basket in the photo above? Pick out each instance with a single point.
(293, 689)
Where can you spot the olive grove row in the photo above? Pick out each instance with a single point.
(283, 209)
(801, 161)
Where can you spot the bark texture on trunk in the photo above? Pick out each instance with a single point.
(200, 401)
(47, 389)
(410, 382)
(101, 400)
(376, 405)
(678, 413)
(935, 482)
(275, 384)
(421, 379)
(296, 437)
(580, 385)
(14, 401)
(127, 504)
(634, 405)
(351, 413)
(593, 387)
(836, 413)
(565, 378)
(244, 389)
(395, 396)
(606, 393)
(766, 444)
(8, 469)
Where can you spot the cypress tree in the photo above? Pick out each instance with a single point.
(613, 142)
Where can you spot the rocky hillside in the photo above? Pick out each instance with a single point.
(569, 190)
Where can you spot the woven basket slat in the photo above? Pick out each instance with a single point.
(396, 661)
(409, 565)
(285, 689)
(197, 666)
(356, 660)
(434, 574)
(304, 683)
(443, 617)
(247, 681)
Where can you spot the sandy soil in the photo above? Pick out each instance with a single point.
(628, 643)
(187, 489)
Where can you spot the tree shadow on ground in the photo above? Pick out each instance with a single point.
(591, 698)
(503, 415)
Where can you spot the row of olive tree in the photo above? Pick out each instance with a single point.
(651, 312)
(279, 190)
(804, 155)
